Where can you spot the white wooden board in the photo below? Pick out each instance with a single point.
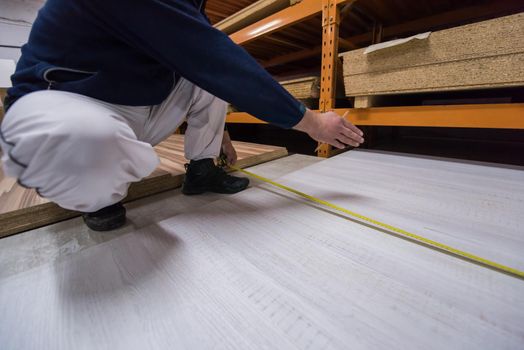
(263, 270)
(16, 18)
(7, 68)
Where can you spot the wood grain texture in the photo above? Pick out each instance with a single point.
(251, 14)
(22, 209)
(479, 55)
(263, 270)
(302, 88)
(3, 92)
(305, 89)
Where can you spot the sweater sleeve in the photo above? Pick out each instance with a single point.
(178, 36)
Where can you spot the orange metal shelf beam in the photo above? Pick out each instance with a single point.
(496, 116)
(280, 20)
(243, 118)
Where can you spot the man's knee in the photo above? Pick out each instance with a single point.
(217, 104)
(91, 135)
(30, 122)
(79, 158)
(207, 112)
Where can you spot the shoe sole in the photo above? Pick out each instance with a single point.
(192, 192)
(114, 224)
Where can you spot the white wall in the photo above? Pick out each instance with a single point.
(16, 17)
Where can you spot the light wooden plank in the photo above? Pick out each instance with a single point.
(10, 53)
(302, 88)
(23, 209)
(16, 20)
(14, 35)
(363, 102)
(251, 14)
(261, 270)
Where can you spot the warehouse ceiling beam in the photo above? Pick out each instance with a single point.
(216, 13)
(280, 20)
(344, 44)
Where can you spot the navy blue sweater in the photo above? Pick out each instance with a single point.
(128, 51)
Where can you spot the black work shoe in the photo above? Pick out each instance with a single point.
(106, 219)
(204, 176)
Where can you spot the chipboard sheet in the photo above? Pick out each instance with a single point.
(263, 269)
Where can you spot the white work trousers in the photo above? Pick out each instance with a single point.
(82, 153)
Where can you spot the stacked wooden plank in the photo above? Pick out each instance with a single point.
(303, 88)
(252, 14)
(306, 89)
(3, 92)
(487, 54)
(22, 209)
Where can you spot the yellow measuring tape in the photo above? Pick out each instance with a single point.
(457, 252)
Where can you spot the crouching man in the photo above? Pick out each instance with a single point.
(101, 82)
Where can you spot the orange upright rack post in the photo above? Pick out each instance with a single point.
(330, 26)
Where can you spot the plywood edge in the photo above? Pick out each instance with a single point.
(459, 59)
(252, 14)
(300, 80)
(33, 217)
(3, 93)
(487, 86)
(303, 88)
(364, 101)
(280, 152)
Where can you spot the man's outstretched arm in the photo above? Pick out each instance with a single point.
(176, 34)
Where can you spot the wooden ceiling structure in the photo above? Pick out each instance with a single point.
(218, 10)
(296, 49)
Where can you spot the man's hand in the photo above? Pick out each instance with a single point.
(228, 149)
(330, 128)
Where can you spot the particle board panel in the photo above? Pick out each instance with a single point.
(22, 209)
(263, 270)
(480, 55)
(481, 73)
(303, 88)
(500, 36)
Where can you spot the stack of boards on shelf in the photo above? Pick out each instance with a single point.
(22, 209)
(488, 54)
(263, 269)
(305, 89)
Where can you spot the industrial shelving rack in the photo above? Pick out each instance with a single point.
(502, 116)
